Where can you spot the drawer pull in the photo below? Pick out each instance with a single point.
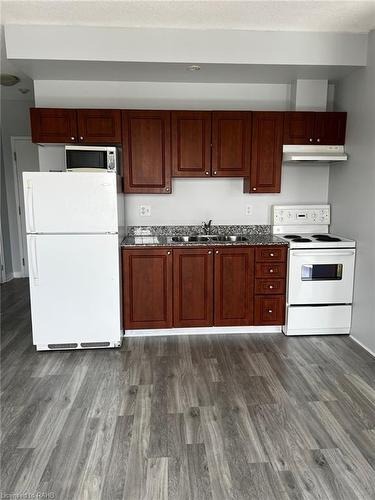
(217, 251)
(209, 252)
(169, 253)
(271, 270)
(270, 311)
(272, 254)
(270, 287)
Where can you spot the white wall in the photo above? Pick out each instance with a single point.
(192, 200)
(14, 122)
(352, 190)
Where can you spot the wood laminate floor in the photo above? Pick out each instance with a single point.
(200, 417)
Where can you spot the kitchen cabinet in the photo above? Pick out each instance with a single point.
(234, 285)
(193, 287)
(269, 310)
(304, 127)
(191, 143)
(53, 125)
(231, 143)
(266, 153)
(86, 126)
(146, 151)
(147, 288)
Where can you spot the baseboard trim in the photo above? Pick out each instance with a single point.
(212, 330)
(8, 277)
(362, 345)
(18, 274)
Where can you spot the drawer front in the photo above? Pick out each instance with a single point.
(269, 310)
(264, 270)
(269, 286)
(270, 254)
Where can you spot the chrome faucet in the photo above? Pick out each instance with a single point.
(207, 227)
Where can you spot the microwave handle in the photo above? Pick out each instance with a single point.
(346, 253)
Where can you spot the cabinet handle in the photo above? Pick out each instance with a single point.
(81, 138)
(72, 138)
(270, 311)
(209, 252)
(272, 255)
(270, 287)
(217, 251)
(318, 140)
(271, 270)
(311, 139)
(169, 253)
(207, 173)
(215, 173)
(167, 189)
(254, 189)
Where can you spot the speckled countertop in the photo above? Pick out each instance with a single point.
(161, 236)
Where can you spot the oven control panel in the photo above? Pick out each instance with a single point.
(299, 215)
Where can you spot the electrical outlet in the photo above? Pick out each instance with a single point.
(144, 210)
(249, 210)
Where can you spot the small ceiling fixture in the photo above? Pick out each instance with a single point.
(8, 80)
(194, 67)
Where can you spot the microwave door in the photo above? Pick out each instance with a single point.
(86, 160)
(321, 276)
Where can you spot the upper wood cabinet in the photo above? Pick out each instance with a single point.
(99, 126)
(147, 288)
(231, 143)
(87, 126)
(192, 287)
(234, 286)
(53, 125)
(146, 151)
(266, 153)
(191, 143)
(304, 127)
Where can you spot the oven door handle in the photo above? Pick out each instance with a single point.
(321, 253)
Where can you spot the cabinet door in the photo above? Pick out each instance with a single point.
(53, 125)
(231, 143)
(99, 126)
(193, 287)
(147, 288)
(330, 128)
(146, 151)
(266, 153)
(234, 286)
(191, 143)
(299, 127)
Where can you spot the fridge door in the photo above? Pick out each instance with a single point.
(74, 288)
(70, 202)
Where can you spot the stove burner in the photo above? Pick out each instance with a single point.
(301, 240)
(326, 237)
(291, 236)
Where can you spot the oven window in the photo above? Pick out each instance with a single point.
(321, 272)
(86, 159)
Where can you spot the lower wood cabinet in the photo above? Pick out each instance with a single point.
(201, 287)
(147, 288)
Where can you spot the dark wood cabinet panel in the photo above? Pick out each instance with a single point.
(193, 287)
(147, 288)
(99, 126)
(234, 286)
(299, 127)
(191, 143)
(266, 153)
(231, 143)
(269, 310)
(330, 128)
(146, 151)
(271, 254)
(53, 125)
(269, 286)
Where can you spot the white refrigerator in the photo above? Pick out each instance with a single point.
(74, 223)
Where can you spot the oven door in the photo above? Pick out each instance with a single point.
(321, 276)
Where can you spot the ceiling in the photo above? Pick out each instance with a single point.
(268, 15)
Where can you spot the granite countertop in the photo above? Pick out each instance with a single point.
(161, 236)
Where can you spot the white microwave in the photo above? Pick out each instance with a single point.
(91, 158)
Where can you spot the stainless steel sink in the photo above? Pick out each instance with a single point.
(233, 238)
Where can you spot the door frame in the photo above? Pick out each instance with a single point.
(22, 250)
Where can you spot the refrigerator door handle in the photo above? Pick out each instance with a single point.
(30, 218)
(34, 261)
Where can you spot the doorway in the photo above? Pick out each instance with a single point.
(25, 159)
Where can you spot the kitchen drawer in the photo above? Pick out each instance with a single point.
(270, 254)
(265, 270)
(269, 310)
(269, 286)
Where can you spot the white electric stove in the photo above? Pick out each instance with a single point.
(320, 271)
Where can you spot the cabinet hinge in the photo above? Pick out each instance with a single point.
(23, 261)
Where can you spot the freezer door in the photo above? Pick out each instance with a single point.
(70, 202)
(74, 288)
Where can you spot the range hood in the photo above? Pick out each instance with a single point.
(293, 153)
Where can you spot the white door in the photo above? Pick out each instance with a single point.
(321, 276)
(74, 288)
(25, 157)
(70, 202)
